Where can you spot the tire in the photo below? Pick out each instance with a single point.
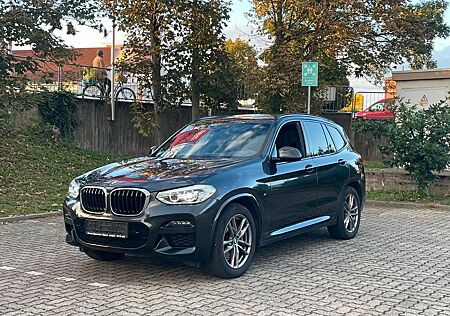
(93, 91)
(347, 226)
(103, 255)
(225, 244)
(125, 93)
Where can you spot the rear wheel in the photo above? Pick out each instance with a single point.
(103, 255)
(93, 91)
(234, 243)
(348, 217)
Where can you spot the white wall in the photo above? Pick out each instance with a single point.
(424, 92)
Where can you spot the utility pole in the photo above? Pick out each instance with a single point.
(113, 59)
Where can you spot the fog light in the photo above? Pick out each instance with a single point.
(183, 223)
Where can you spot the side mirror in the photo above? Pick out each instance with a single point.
(288, 153)
(152, 150)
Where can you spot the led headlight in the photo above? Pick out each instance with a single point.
(74, 189)
(189, 195)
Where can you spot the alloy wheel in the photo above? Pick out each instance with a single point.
(237, 241)
(351, 216)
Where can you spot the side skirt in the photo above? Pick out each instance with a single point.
(298, 228)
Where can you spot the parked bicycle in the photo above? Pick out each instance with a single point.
(98, 90)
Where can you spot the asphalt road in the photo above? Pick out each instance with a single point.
(399, 264)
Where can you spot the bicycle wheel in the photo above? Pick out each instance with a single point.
(93, 91)
(125, 94)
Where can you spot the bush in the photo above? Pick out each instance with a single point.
(59, 109)
(418, 140)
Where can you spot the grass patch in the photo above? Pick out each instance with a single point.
(406, 196)
(375, 165)
(35, 172)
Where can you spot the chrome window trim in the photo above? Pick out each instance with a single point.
(147, 200)
(94, 187)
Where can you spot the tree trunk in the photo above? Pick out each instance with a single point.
(156, 84)
(195, 85)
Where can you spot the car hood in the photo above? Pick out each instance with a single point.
(155, 174)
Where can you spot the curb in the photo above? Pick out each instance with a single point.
(406, 204)
(18, 218)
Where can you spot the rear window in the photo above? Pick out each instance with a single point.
(338, 139)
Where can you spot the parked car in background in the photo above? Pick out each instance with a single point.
(218, 189)
(377, 111)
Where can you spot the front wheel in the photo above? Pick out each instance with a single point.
(125, 94)
(103, 255)
(234, 243)
(348, 217)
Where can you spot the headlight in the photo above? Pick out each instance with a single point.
(74, 189)
(189, 195)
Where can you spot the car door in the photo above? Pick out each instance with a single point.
(291, 198)
(331, 166)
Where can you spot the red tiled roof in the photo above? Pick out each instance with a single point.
(73, 71)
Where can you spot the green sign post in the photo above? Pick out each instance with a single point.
(310, 78)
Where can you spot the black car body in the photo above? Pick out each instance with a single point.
(291, 173)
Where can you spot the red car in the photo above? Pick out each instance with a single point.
(377, 111)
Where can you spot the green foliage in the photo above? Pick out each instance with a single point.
(355, 37)
(420, 141)
(377, 128)
(244, 66)
(35, 172)
(417, 140)
(59, 109)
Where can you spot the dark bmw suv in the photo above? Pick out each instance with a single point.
(218, 189)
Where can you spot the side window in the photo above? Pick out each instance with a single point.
(338, 140)
(379, 106)
(288, 136)
(316, 140)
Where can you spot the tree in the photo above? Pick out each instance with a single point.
(170, 49)
(202, 23)
(248, 73)
(356, 37)
(220, 81)
(32, 23)
(149, 54)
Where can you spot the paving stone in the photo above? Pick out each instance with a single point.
(398, 264)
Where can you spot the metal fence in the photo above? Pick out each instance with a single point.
(370, 97)
(80, 80)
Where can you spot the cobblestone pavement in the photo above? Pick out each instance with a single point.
(399, 264)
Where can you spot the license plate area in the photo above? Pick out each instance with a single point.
(106, 228)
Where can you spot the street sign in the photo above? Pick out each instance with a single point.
(310, 74)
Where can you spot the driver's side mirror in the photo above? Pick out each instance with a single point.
(288, 153)
(152, 150)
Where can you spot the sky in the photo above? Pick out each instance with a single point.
(239, 26)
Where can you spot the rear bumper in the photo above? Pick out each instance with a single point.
(149, 233)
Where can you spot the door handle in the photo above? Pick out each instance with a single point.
(342, 162)
(309, 168)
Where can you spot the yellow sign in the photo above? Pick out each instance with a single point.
(357, 101)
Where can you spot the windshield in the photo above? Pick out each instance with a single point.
(216, 139)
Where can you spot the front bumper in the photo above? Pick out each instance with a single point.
(148, 232)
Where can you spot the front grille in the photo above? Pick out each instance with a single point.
(93, 199)
(127, 202)
(181, 240)
(138, 234)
